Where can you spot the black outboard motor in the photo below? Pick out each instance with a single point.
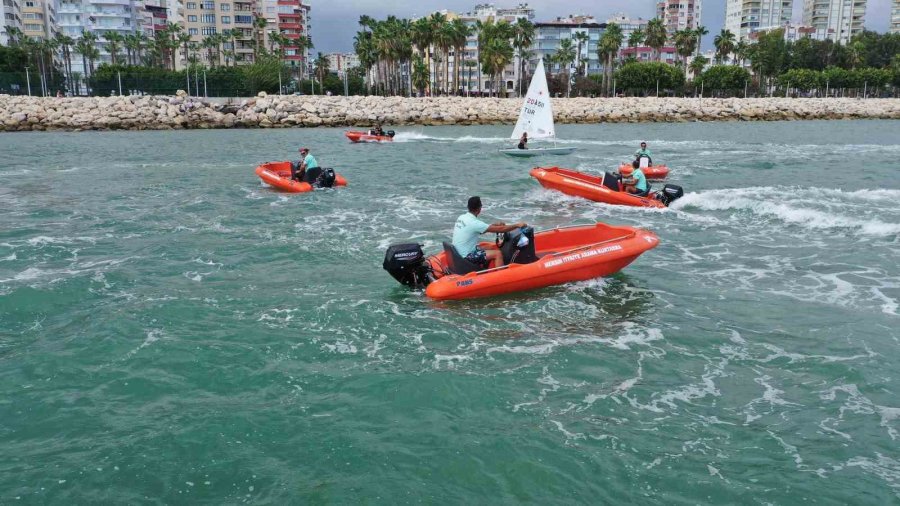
(406, 263)
(326, 178)
(670, 193)
(390, 133)
(513, 252)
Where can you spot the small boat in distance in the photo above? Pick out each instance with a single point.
(278, 175)
(606, 189)
(536, 118)
(359, 136)
(652, 172)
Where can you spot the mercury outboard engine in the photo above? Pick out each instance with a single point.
(406, 263)
(326, 178)
(390, 133)
(518, 246)
(670, 193)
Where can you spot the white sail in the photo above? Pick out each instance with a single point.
(536, 116)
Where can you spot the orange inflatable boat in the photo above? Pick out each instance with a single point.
(551, 257)
(278, 175)
(653, 172)
(357, 136)
(604, 189)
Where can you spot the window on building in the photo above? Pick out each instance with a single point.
(192, 18)
(29, 4)
(208, 30)
(192, 5)
(208, 18)
(224, 7)
(193, 31)
(208, 5)
(33, 28)
(226, 20)
(243, 19)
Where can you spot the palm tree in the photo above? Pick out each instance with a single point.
(582, 38)
(184, 40)
(321, 66)
(420, 35)
(741, 50)
(610, 44)
(496, 54)
(442, 40)
(700, 31)
(565, 56)
(522, 40)
(724, 43)
(460, 35)
(65, 44)
(420, 74)
(114, 41)
(86, 46)
(16, 36)
(698, 64)
(636, 38)
(685, 44)
(259, 27)
(470, 64)
(656, 36)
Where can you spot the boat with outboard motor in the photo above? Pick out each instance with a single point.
(536, 119)
(278, 175)
(606, 189)
(533, 260)
(651, 172)
(359, 136)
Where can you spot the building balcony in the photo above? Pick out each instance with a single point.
(291, 26)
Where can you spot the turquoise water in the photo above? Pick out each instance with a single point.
(173, 331)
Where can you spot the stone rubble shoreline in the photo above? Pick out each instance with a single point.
(18, 113)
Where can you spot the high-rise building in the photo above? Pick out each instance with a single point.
(679, 14)
(202, 18)
(12, 18)
(841, 19)
(895, 17)
(628, 25)
(99, 17)
(549, 35)
(293, 22)
(743, 17)
(38, 18)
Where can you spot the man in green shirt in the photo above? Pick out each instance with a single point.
(467, 229)
(307, 161)
(643, 153)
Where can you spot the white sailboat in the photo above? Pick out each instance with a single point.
(536, 118)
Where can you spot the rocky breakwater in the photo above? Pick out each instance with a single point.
(272, 111)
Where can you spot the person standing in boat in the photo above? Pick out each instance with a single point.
(523, 141)
(634, 181)
(306, 162)
(643, 153)
(467, 229)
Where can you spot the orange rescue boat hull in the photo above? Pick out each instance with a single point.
(579, 184)
(565, 255)
(653, 172)
(357, 136)
(278, 175)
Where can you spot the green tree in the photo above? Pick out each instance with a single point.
(724, 78)
(656, 36)
(608, 50)
(642, 78)
(724, 43)
(523, 38)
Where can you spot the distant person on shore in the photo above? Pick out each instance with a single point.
(306, 162)
(523, 141)
(467, 229)
(59, 94)
(634, 181)
(643, 153)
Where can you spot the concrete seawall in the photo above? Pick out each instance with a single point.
(19, 113)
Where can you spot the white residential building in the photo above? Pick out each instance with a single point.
(342, 62)
(895, 17)
(679, 14)
(840, 18)
(548, 36)
(628, 25)
(99, 17)
(793, 32)
(12, 17)
(743, 17)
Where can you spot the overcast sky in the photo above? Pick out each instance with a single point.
(335, 21)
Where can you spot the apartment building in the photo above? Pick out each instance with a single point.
(550, 34)
(895, 17)
(679, 14)
(342, 62)
(794, 32)
(202, 18)
(627, 24)
(743, 17)
(841, 19)
(38, 18)
(12, 18)
(293, 22)
(74, 17)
